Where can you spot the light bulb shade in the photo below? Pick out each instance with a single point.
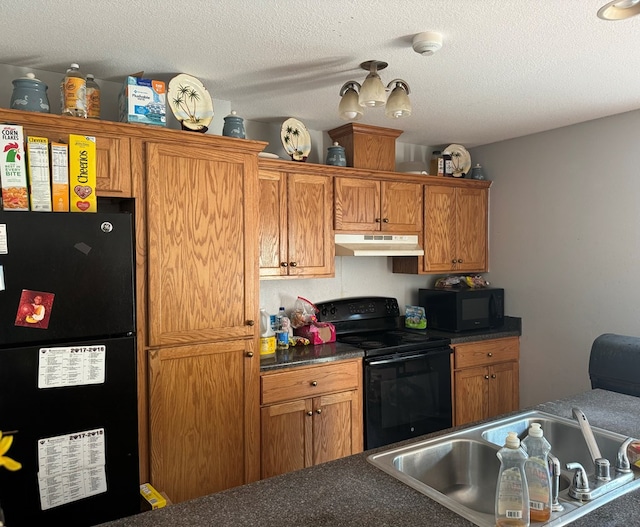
(373, 92)
(619, 9)
(398, 104)
(349, 107)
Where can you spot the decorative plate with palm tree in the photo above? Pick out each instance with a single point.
(190, 102)
(295, 139)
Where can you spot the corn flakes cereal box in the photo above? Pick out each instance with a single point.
(39, 175)
(60, 177)
(82, 173)
(13, 170)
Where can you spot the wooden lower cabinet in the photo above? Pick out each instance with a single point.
(314, 415)
(204, 413)
(486, 379)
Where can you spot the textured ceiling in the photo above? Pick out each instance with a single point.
(507, 67)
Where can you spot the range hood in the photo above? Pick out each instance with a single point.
(377, 245)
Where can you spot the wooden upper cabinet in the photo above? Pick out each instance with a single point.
(370, 205)
(202, 247)
(455, 234)
(295, 218)
(113, 153)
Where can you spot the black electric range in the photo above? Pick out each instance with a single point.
(407, 374)
(374, 325)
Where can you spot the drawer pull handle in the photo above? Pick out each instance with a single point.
(314, 383)
(309, 413)
(489, 354)
(486, 377)
(319, 411)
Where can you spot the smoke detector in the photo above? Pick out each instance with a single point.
(427, 43)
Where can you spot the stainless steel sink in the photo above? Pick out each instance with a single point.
(460, 469)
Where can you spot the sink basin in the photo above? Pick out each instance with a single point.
(460, 470)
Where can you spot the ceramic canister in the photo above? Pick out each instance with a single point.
(336, 156)
(30, 94)
(233, 126)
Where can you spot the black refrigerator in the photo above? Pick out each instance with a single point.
(68, 396)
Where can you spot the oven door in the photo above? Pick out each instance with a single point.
(406, 396)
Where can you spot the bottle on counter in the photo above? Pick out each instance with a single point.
(512, 495)
(93, 97)
(282, 333)
(537, 472)
(267, 334)
(73, 93)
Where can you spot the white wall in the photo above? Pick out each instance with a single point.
(564, 243)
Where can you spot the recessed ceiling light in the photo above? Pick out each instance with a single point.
(619, 9)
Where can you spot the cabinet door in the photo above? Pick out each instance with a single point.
(204, 418)
(202, 249)
(337, 426)
(503, 388)
(113, 158)
(272, 223)
(401, 207)
(309, 220)
(357, 205)
(471, 395)
(439, 228)
(286, 437)
(471, 223)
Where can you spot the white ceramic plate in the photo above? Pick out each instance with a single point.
(460, 159)
(295, 139)
(190, 102)
(268, 155)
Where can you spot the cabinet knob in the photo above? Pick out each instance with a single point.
(309, 413)
(284, 264)
(319, 411)
(493, 376)
(490, 354)
(293, 264)
(314, 383)
(486, 377)
(385, 220)
(377, 220)
(251, 322)
(459, 260)
(454, 261)
(249, 354)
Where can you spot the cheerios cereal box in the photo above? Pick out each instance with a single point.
(13, 170)
(82, 173)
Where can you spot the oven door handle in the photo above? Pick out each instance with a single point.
(390, 359)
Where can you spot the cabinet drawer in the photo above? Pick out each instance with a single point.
(486, 352)
(309, 382)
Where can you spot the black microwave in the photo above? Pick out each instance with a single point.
(463, 309)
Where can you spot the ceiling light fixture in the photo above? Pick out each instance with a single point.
(619, 10)
(373, 93)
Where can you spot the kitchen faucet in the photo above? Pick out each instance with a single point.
(584, 488)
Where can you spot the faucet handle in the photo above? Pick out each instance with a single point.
(580, 483)
(622, 460)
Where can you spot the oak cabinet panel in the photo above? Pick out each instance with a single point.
(486, 379)
(295, 219)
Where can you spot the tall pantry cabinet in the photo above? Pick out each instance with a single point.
(201, 273)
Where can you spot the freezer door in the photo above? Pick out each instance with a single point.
(65, 276)
(80, 436)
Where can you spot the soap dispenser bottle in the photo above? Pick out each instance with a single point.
(512, 496)
(537, 471)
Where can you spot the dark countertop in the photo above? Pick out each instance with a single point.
(351, 492)
(310, 355)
